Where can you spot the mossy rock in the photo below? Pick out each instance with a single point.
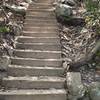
(94, 91)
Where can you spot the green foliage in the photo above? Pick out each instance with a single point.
(4, 29)
(92, 5)
(92, 15)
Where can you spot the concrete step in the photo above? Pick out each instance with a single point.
(38, 17)
(50, 94)
(41, 9)
(42, 23)
(39, 46)
(37, 4)
(40, 20)
(40, 5)
(45, 1)
(37, 54)
(36, 24)
(15, 70)
(41, 13)
(30, 24)
(39, 29)
(44, 33)
(27, 82)
(36, 62)
(26, 39)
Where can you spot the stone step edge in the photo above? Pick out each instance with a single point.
(35, 67)
(37, 51)
(30, 37)
(61, 59)
(32, 32)
(38, 43)
(33, 92)
(40, 17)
(35, 78)
(36, 24)
(40, 4)
(41, 9)
(40, 27)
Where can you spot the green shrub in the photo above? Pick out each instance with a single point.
(92, 15)
(4, 29)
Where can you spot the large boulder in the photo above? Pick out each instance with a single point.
(16, 9)
(4, 62)
(63, 10)
(75, 86)
(94, 91)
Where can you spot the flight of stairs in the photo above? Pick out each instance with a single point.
(36, 71)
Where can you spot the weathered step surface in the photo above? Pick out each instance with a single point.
(34, 14)
(27, 82)
(30, 24)
(39, 29)
(36, 3)
(40, 21)
(41, 14)
(37, 54)
(45, 1)
(15, 70)
(39, 6)
(37, 33)
(39, 17)
(36, 62)
(27, 39)
(39, 46)
(50, 94)
(41, 9)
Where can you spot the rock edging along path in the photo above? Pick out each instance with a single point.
(36, 71)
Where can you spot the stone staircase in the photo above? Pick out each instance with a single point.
(36, 71)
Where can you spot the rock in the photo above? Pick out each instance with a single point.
(70, 2)
(75, 86)
(65, 15)
(28, 1)
(16, 9)
(4, 62)
(61, 1)
(8, 48)
(63, 10)
(84, 98)
(71, 97)
(24, 4)
(65, 65)
(94, 91)
(84, 30)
